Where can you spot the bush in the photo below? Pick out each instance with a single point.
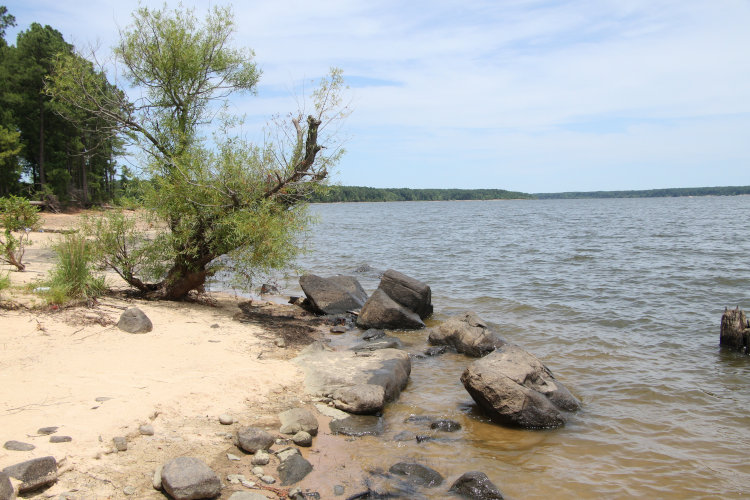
(17, 215)
(4, 282)
(72, 277)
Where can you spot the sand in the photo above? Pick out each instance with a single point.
(74, 369)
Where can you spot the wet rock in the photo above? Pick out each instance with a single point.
(60, 439)
(476, 485)
(121, 444)
(386, 486)
(735, 330)
(418, 474)
(327, 370)
(134, 320)
(445, 425)
(409, 292)
(261, 457)
(381, 343)
(405, 436)
(46, 431)
(293, 469)
(188, 478)
(146, 430)
(381, 311)
(373, 334)
(358, 425)
(34, 473)
(252, 439)
(513, 387)
(226, 419)
(302, 438)
(435, 350)
(298, 419)
(421, 438)
(18, 446)
(335, 295)
(6, 487)
(360, 399)
(467, 333)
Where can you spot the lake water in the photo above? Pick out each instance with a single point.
(621, 298)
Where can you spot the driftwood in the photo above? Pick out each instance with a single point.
(735, 330)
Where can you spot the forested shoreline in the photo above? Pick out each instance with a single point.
(649, 193)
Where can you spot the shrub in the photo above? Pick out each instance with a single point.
(17, 215)
(4, 282)
(73, 278)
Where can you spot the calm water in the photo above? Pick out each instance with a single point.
(622, 301)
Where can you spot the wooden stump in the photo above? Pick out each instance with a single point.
(735, 330)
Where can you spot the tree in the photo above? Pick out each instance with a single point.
(224, 198)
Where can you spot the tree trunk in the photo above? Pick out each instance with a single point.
(177, 285)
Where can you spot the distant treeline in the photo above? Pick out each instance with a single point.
(651, 193)
(338, 194)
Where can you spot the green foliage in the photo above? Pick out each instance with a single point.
(17, 215)
(73, 276)
(231, 201)
(4, 281)
(337, 194)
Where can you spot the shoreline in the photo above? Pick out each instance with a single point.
(72, 368)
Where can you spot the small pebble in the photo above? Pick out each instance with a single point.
(46, 431)
(60, 439)
(226, 419)
(121, 444)
(102, 399)
(236, 478)
(280, 343)
(258, 471)
(215, 325)
(146, 430)
(247, 484)
(234, 458)
(338, 490)
(261, 458)
(128, 490)
(282, 442)
(268, 479)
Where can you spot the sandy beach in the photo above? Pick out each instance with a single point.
(72, 368)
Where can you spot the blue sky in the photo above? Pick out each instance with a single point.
(527, 95)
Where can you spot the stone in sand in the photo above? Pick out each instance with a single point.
(45, 431)
(6, 487)
(252, 439)
(226, 419)
(18, 446)
(60, 439)
(476, 485)
(293, 469)
(121, 444)
(34, 473)
(134, 320)
(261, 457)
(298, 419)
(302, 438)
(189, 478)
(146, 430)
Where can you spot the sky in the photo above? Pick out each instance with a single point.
(525, 95)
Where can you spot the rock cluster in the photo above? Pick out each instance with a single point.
(399, 303)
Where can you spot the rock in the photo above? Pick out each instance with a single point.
(60, 439)
(335, 295)
(6, 487)
(234, 458)
(361, 399)
(445, 425)
(258, 471)
(435, 350)
(247, 495)
(293, 469)
(327, 370)
(34, 473)
(302, 438)
(382, 343)
(735, 330)
(268, 289)
(405, 436)
(284, 454)
(467, 334)
(268, 479)
(298, 419)
(134, 320)
(358, 425)
(338, 490)
(188, 478)
(281, 343)
(226, 419)
(330, 411)
(156, 478)
(409, 292)
(236, 478)
(146, 430)
(380, 311)
(121, 444)
(128, 490)
(476, 485)
(373, 334)
(417, 474)
(252, 439)
(18, 446)
(261, 457)
(515, 388)
(46, 431)
(338, 329)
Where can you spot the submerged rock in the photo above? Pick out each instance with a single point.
(735, 330)
(513, 387)
(476, 485)
(417, 474)
(358, 425)
(467, 333)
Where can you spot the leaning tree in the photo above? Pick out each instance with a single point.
(215, 201)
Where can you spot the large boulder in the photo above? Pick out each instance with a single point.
(33, 473)
(252, 439)
(514, 387)
(133, 320)
(381, 311)
(409, 292)
(362, 399)
(298, 419)
(735, 330)
(467, 333)
(189, 478)
(6, 487)
(335, 295)
(293, 469)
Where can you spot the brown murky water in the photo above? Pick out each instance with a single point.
(620, 298)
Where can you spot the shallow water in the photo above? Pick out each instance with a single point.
(620, 298)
